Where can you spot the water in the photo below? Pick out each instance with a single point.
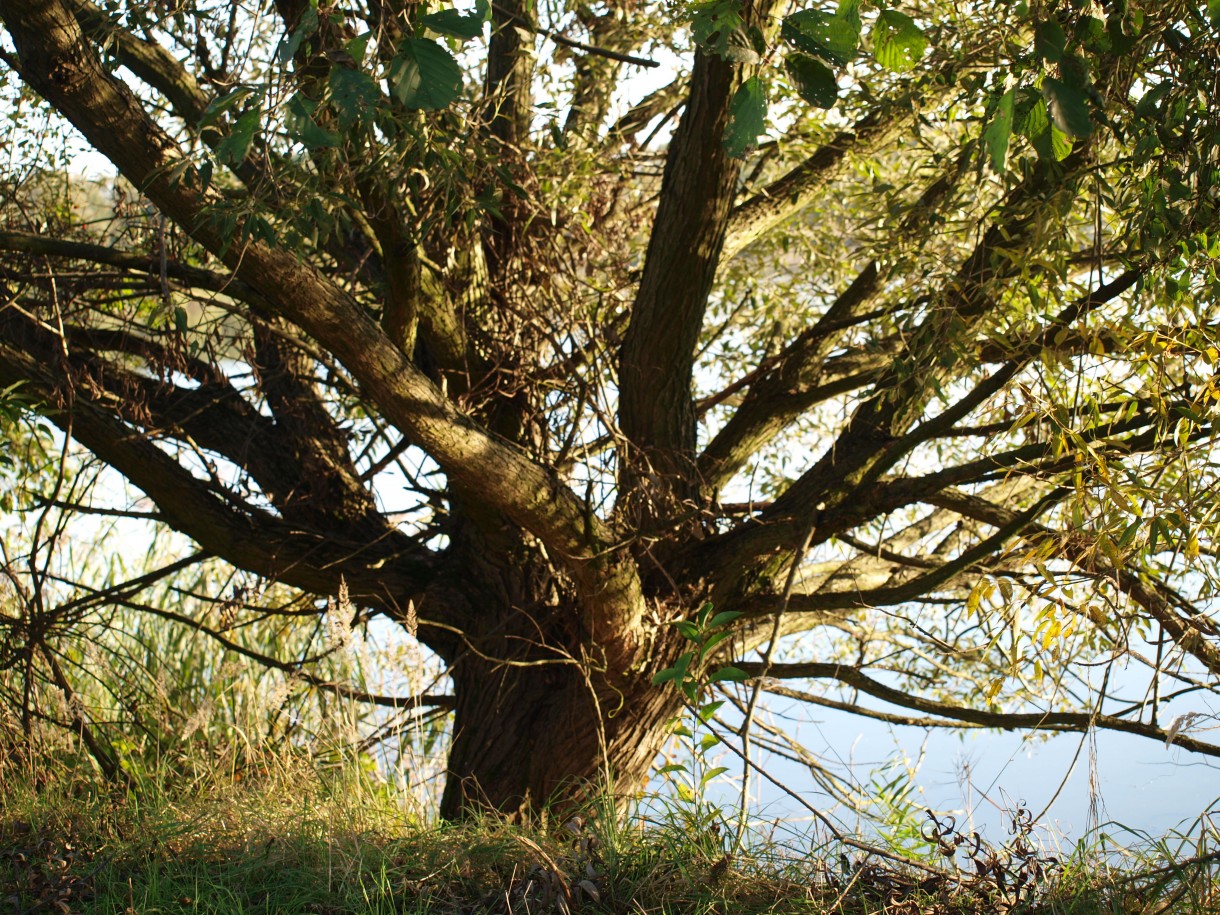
(1069, 782)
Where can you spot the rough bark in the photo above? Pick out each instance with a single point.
(551, 733)
(657, 410)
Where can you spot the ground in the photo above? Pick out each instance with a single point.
(288, 838)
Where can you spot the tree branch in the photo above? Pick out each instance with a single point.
(251, 539)
(803, 184)
(296, 668)
(147, 60)
(795, 380)
(507, 84)
(657, 360)
(195, 277)
(1007, 721)
(61, 66)
(1189, 633)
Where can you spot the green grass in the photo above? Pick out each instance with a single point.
(296, 839)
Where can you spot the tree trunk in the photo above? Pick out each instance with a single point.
(551, 733)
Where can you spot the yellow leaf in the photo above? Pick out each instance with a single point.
(976, 595)
(1053, 629)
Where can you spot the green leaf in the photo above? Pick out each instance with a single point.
(303, 128)
(1120, 40)
(1150, 102)
(735, 674)
(1213, 13)
(849, 12)
(1050, 41)
(1061, 144)
(1129, 533)
(235, 146)
(999, 131)
(835, 39)
(224, 222)
(1034, 121)
(714, 23)
(709, 709)
(747, 118)
(689, 630)
(711, 642)
(358, 46)
(204, 174)
(672, 767)
(1184, 409)
(307, 25)
(1074, 70)
(1005, 588)
(311, 136)
(664, 676)
(708, 741)
(898, 43)
(814, 81)
(1068, 107)
(456, 24)
(1049, 141)
(223, 103)
(682, 665)
(256, 228)
(354, 95)
(976, 596)
(424, 75)
(711, 774)
(722, 618)
(1094, 36)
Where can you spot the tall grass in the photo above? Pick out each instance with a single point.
(157, 669)
(294, 835)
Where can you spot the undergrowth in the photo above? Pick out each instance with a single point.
(289, 836)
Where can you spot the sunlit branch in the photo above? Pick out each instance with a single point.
(1045, 721)
(1191, 632)
(147, 60)
(779, 689)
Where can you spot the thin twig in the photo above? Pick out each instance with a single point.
(756, 688)
(602, 52)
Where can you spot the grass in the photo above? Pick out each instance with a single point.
(298, 839)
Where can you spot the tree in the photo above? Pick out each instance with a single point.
(889, 328)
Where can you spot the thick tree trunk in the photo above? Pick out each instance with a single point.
(553, 694)
(553, 733)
